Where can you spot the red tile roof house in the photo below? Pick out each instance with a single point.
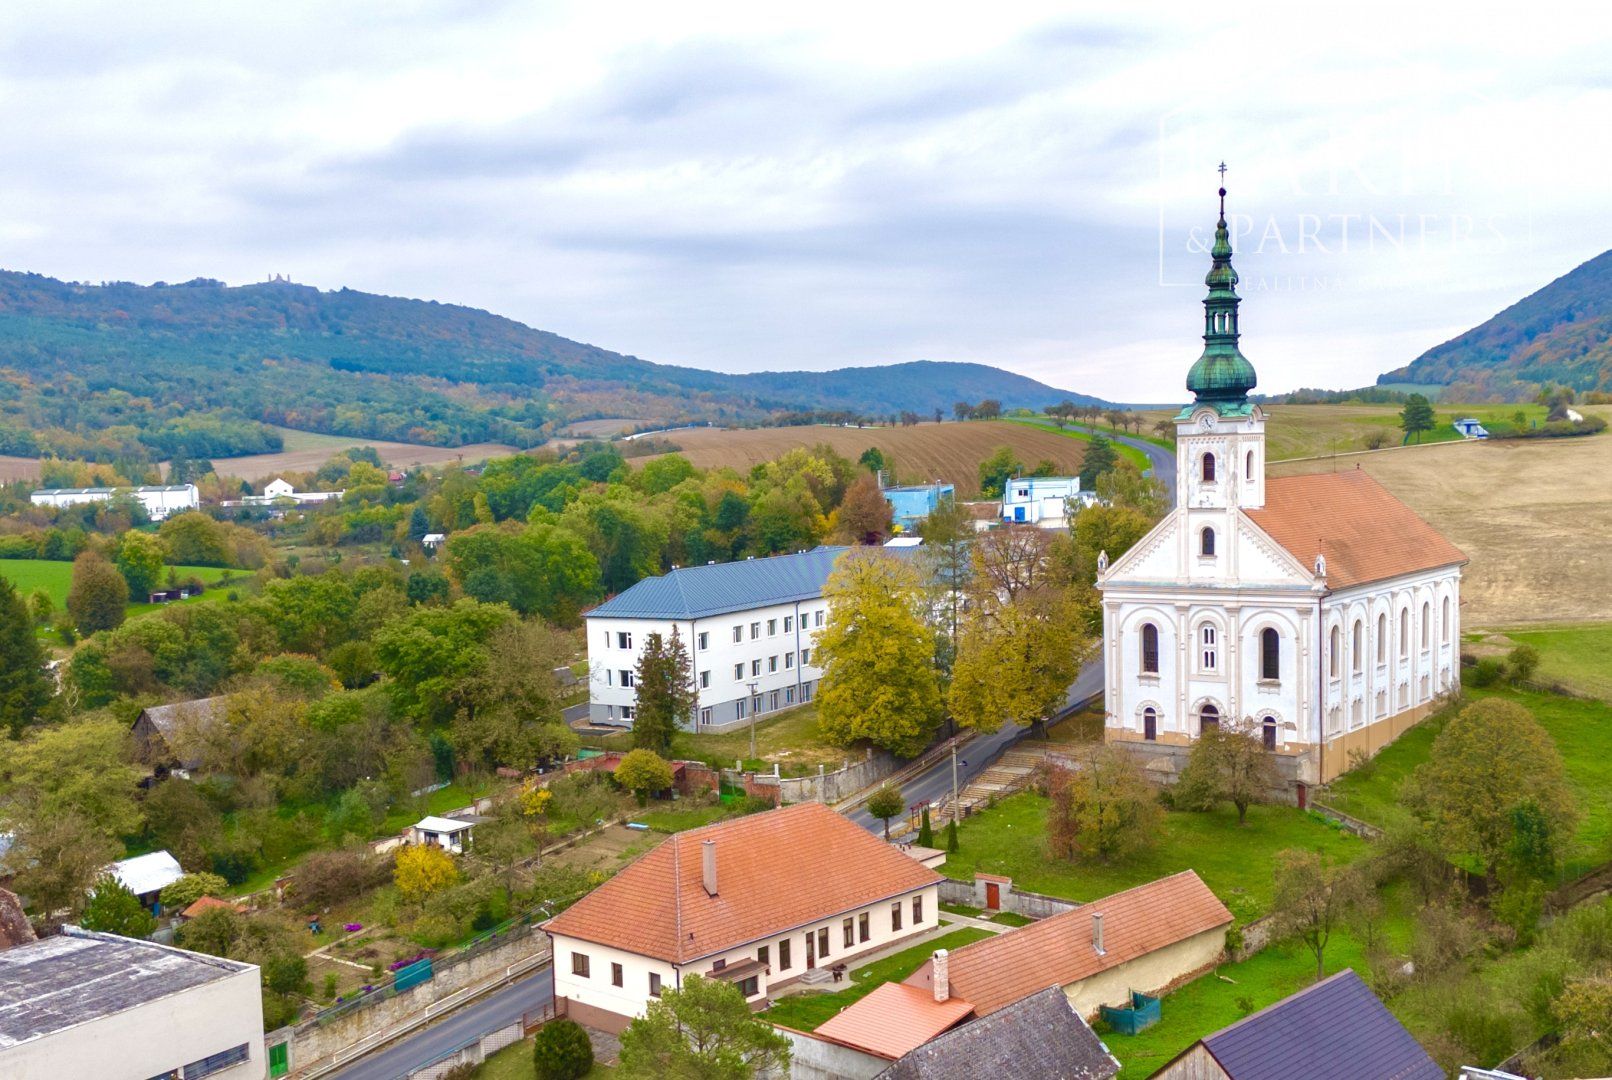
(757, 901)
(1150, 938)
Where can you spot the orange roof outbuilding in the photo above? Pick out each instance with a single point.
(894, 1019)
(1365, 533)
(1057, 951)
(775, 871)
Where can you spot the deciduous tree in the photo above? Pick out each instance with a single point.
(877, 652)
(1416, 417)
(423, 869)
(98, 596)
(1228, 763)
(885, 804)
(178, 895)
(57, 857)
(1312, 901)
(701, 1031)
(1490, 758)
(995, 471)
(113, 909)
(643, 772)
(1104, 808)
(864, 517)
(1015, 661)
(140, 561)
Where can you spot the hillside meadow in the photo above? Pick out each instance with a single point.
(950, 451)
(305, 451)
(55, 577)
(1533, 516)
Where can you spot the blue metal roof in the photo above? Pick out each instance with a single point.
(1335, 1030)
(695, 592)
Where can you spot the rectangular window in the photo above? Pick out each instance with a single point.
(819, 619)
(749, 987)
(772, 664)
(738, 634)
(579, 965)
(917, 910)
(764, 954)
(623, 640)
(848, 930)
(654, 984)
(626, 676)
(738, 672)
(615, 975)
(773, 703)
(784, 962)
(218, 1062)
(626, 712)
(895, 916)
(789, 695)
(772, 627)
(789, 660)
(610, 677)
(755, 631)
(863, 931)
(705, 717)
(822, 943)
(720, 964)
(805, 691)
(738, 707)
(805, 657)
(705, 680)
(704, 639)
(755, 667)
(789, 623)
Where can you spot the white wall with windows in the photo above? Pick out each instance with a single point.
(745, 663)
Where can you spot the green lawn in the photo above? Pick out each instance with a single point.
(670, 818)
(1233, 861)
(1129, 453)
(789, 739)
(55, 576)
(804, 1012)
(1582, 729)
(514, 1062)
(1577, 656)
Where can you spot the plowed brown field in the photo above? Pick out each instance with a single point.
(950, 452)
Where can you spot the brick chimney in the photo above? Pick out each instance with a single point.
(708, 863)
(1097, 933)
(940, 975)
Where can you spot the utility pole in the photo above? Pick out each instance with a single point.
(954, 778)
(753, 703)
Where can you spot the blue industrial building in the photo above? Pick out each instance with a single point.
(910, 505)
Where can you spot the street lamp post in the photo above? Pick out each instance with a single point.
(753, 700)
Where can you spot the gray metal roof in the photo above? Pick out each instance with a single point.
(201, 712)
(59, 982)
(694, 592)
(1039, 1036)
(1335, 1030)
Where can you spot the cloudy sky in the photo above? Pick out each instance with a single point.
(754, 186)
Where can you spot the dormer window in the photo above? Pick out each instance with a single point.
(1208, 468)
(1206, 543)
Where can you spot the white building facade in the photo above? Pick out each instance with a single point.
(1319, 609)
(1043, 501)
(159, 500)
(749, 628)
(85, 1004)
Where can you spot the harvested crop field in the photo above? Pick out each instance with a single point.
(1532, 515)
(18, 468)
(950, 452)
(305, 451)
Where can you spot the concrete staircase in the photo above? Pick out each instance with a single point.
(1009, 773)
(817, 976)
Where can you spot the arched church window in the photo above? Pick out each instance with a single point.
(1427, 624)
(1356, 653)
(1382, 639)
(1404, 632)
(1270, 654)
(1206, 543)
(1444, 622)
(1150, 723)
(1335, 640)
(1248, 468)
(1208, 718)
(1208, 468)
(1150, 649)
(1209, 638)
(1268, 732)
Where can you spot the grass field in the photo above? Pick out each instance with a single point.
(307, 450)
(805, 1011)
(1577, 656)
(56, 577)
(950, 452)
(789, 739)
(1532, 515)
(1129, 453)
(1235, 862)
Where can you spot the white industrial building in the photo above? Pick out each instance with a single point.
(279, 491)
(87, 1004)
(159, 500)
(1043, 501)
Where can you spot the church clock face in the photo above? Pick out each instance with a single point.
(1206, 422)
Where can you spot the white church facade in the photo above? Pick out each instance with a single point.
(1320, 609)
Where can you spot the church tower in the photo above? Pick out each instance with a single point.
(1220, 437)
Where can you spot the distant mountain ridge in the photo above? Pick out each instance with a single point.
(1560, 334)
(202, 354)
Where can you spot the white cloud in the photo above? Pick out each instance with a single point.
(743, 186)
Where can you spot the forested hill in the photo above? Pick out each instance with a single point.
(198, 369)
(1561, 334)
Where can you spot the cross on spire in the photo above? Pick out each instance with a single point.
(1222, 190)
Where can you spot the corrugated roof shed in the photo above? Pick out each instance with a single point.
(694, 592)
(1335, 1030)
(147, 873)
(1039, 1037)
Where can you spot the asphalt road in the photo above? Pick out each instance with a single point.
(462, 1027)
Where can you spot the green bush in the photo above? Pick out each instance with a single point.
(1487, 672)
(562, 1051)
(1522, 662)
(1486, 1033)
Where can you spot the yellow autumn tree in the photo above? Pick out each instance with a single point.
(423, 869)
